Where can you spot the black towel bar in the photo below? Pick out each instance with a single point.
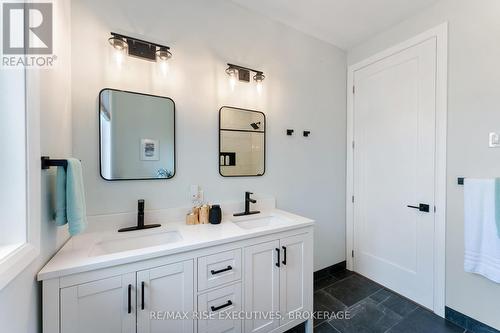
(47, 163)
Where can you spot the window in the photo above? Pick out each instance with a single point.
(18, 242)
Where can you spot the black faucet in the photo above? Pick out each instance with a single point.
(247, 211)
(140, 219)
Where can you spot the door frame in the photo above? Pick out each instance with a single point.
(439, 32)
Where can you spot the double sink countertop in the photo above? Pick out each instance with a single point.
(106, 248)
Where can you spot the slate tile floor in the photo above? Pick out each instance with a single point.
(373, 309)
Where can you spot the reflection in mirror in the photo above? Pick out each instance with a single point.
(137, 136)
(242, 142)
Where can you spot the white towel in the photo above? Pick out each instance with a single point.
(482, 245)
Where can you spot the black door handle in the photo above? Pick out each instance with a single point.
(215, 308)
(284, 255)
(142, 295)
(129, 307)
(278, 261)
(221, 270)
(421, 207)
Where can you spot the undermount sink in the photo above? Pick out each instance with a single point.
(256, 221)
(134, 242)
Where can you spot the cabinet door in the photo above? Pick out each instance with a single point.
(102, 306)
(296, 276)
(164, 294)
(261, 285)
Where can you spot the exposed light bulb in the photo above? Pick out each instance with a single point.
(163, 54)
(232, 73)
(259, 87)
(118, 56)
(164, 67)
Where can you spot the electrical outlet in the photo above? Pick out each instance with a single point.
(494, 141)
(195, 192)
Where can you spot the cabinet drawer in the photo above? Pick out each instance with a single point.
(216, 304)
(220, 268)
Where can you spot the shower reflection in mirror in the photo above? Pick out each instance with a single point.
(242, 140)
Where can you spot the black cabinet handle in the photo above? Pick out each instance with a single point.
(278, 261)
(221, 270)
(421, 207)
(215, 308)
(129, 306)
(284, 255)
(142, 295)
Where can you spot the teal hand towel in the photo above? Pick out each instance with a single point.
(70, 204)
(497, 205)
(61, 218)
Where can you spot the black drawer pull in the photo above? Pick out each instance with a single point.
(129, 306)
(142, 295)
(221, 270)
(284, 255)
(216, 308)
(278, 261)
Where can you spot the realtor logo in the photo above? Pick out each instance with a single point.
(27, 35)
(27, 28)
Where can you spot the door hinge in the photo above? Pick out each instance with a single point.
(353, 89)
(353, 145)
(435, 209)
(352, 253)
(352, 199)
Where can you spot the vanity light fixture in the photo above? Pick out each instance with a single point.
(118, 43)
(243, 74)
(163, 53)
(140, 48)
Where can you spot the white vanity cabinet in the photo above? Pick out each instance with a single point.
(100, 306)
(119, 303)
(278, 279)
(270, 274)
(167, 289)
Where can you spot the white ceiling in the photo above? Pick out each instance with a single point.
(344, 23)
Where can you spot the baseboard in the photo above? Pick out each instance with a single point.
(330, 269)
(467, 322)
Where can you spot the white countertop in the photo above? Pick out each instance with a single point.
(76, 255)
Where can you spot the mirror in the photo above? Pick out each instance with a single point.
(137, 136)
(242, 142)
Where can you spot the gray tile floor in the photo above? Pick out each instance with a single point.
(372, 308)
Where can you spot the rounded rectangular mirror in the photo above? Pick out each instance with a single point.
(137, 135)
(242, 142)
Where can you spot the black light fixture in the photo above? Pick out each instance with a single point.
(140, 48)
(243, 74)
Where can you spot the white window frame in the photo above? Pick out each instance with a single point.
(440, 32)
(21, 257)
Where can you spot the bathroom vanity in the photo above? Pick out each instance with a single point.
(248, 274)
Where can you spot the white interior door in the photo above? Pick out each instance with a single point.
(394, 167)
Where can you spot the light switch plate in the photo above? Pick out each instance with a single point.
(494, 141)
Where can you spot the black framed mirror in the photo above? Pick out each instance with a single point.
(242, 142)
(136, 136)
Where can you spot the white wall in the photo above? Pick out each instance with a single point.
(304, 89)
(473, 111)
(20, 301)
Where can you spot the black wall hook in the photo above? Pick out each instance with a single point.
(289, 132)
(306, 133)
